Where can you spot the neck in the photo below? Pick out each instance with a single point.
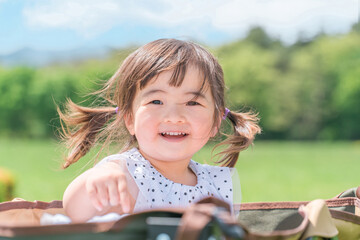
(176, 171)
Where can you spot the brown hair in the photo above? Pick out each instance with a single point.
(82, 127)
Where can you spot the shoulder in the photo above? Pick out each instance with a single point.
(215, 174)
(211, 170)
(120, 158)
(219, 178)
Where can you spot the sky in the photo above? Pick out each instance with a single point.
(56, 25)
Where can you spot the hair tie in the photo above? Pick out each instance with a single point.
(225, 113)
(116, 110)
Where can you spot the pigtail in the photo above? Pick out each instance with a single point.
(81, 127)
(245, 128)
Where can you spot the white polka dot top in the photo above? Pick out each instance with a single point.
(156, 191)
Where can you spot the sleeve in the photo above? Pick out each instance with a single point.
(221, 178)
(236, 186)
(227, 184)
(114, 158)
(237, 196)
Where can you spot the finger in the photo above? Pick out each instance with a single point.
(94, 198)
(125, 201)
(102, 194)
(113, 193)
(124, 195)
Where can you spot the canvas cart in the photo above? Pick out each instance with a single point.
(337, 218)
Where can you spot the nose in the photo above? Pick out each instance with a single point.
(174, 114)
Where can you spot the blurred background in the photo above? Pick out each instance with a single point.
(296, 63)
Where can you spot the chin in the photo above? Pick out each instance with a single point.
(172, 156)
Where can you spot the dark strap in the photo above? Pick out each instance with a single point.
(199, 215)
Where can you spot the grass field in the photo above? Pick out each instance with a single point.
(269, 171)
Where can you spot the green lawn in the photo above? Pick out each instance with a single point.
(269, 171)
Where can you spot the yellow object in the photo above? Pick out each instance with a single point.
(7, 183)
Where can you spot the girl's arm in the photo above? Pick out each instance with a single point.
(102, 189)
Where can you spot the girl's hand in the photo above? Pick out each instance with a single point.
(106, 187)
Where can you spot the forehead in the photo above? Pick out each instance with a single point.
(192, 78)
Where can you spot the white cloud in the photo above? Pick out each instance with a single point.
(287, 18)
(88, 17)
(91, 17)
(284, 18)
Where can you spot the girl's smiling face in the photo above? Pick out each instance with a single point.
(172, 123)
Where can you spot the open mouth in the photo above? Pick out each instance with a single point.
(173, 134)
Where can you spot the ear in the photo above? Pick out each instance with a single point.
(216, 127)
(214, 131)
(129, 123)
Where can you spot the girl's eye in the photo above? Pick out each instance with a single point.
(192, 103)
(156, 102)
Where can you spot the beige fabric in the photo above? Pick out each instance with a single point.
(25, 217)
(19, 213)
(320, 220)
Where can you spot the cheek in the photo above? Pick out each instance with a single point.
(203, 121)
(145, 120)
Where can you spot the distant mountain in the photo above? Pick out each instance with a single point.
(38, 58)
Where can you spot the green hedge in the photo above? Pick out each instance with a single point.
(309, 90)
(29, 97)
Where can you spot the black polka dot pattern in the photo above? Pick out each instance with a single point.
(156, 191)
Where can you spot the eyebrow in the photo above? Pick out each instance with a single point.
(152, 92)
(195, 93)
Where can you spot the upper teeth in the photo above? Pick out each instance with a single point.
(173, 133)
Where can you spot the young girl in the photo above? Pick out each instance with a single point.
(169, 98)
